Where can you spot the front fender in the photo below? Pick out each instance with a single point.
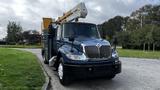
(65, 49)
(62, 51)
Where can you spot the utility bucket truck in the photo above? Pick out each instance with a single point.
(75, 49)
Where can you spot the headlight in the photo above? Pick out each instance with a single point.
(77, 57)
(114, 54)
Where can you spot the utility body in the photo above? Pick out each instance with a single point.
(76, 49)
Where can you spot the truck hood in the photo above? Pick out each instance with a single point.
(91, 41)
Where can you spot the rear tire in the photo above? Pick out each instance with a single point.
(44, 57)
(63, 77)
(45, 60)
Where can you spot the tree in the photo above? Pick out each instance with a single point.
(14, 34)
(31, 37)
(142, 28)
(156, 37)
(112, 26)
(132, 24)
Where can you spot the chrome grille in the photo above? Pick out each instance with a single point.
(105, 51)
(92, 51)
(98, 52)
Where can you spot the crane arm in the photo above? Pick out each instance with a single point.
(80, 11)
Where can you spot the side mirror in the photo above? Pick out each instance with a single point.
(72, 40)
(115, 42)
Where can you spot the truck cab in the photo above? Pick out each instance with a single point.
(77, 50)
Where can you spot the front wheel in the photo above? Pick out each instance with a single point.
(63, 77)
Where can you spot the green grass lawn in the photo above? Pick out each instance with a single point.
(19, 70)
(138, 53)
(21, 46)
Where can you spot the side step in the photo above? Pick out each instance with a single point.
(52, 61)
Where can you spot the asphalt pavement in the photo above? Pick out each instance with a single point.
(137, 74)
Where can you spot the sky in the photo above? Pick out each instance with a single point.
(29, 13)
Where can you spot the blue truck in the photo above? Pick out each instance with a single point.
(78, 51)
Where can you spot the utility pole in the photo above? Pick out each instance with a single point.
(141, 21)
(143, 14)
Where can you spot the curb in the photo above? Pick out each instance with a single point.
(47, 84)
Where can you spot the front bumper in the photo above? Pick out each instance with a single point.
(92, 70)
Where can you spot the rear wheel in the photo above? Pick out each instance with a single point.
(45, 60)
(63, 77)
(44, 57)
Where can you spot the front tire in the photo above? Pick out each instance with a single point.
(63, 77)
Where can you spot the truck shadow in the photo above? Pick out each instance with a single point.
(94, 84)
(98, 83)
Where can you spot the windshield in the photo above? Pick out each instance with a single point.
(80, 30)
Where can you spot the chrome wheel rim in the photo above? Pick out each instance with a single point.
(60, 71)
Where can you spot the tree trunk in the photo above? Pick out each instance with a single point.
(148, 46)
(144, 46)
(153, 47)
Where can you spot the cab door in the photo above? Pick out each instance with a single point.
(59, 37)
